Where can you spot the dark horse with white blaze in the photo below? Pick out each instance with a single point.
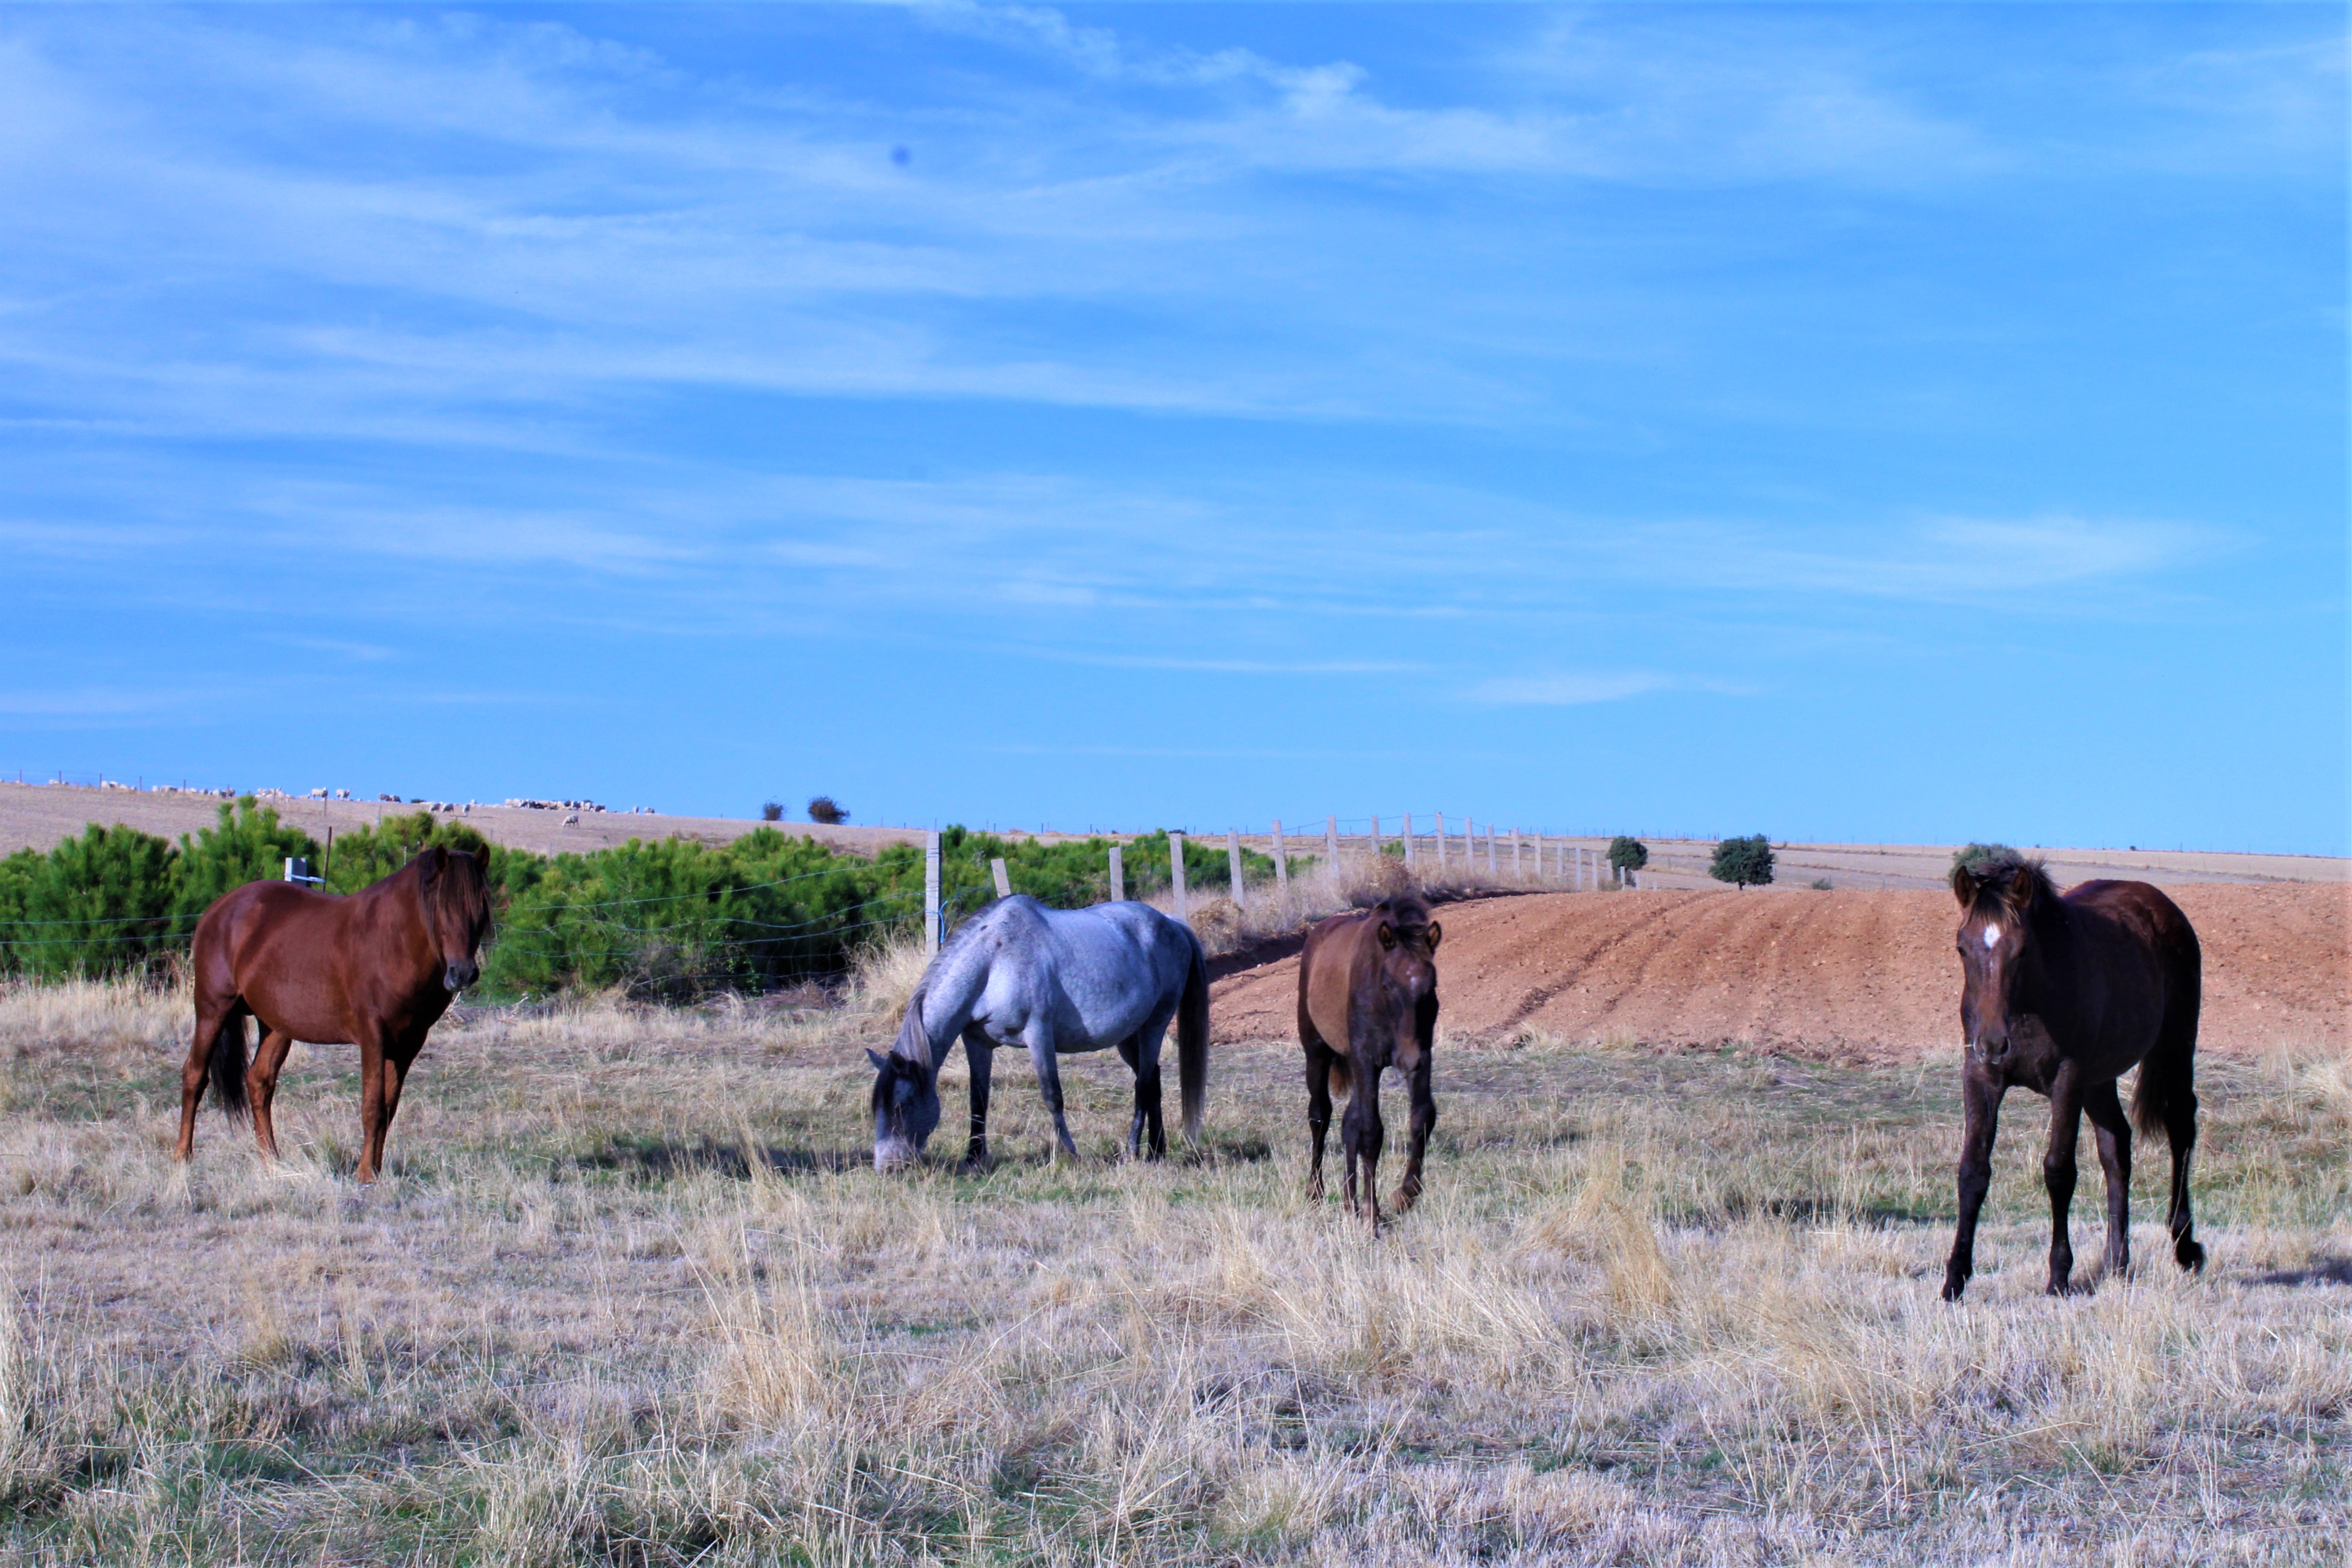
(1052, 982)
(2062, 995)
(377, 968)
(1367, 1001)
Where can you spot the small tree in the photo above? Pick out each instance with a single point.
(771, 811)
(1968, 855)
(826, 810)
(1743, 861)
(1628, 854)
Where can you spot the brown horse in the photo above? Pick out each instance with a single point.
(377, 969)
(1367, 1001)
(2062, 995)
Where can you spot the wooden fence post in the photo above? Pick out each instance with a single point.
(931, 892)
(1176, 876)
(1407, 838)
(1491, 870)
(1118, 876)
(1281, 870)
(1234, 861)
(1441, 842)
(1515, 854)
(1331, 848)
(1004, 883)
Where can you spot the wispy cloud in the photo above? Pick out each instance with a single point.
(1564, 689)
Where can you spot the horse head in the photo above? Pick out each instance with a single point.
(454, 892)
(2005, 899)
(1408, 964)
(906, 1092)
(906, 1110)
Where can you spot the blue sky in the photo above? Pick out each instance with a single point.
(1896, 423)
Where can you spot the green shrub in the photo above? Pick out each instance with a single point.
(1628, 854)
(248, 844)
(1968, 855)
(1747, 862)
(96, 904)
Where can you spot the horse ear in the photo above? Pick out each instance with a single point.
(1435, 931)
(1964, 885)
(2019, 893)
(875, 1057)
(1388, 936)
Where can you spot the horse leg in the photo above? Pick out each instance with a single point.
(1980, 1096)
(1361, 1135)
(261, 1087)
(1049, 1083)
(372, 1117)
(1425, 1117)
(2058, 1172)
(1142, 1053)
(397, 1063)
(981, 1055)
(2114, 1130)
(1128, 1053)
(210, 1021)
(1318, 1115)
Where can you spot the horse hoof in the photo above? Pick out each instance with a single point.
(2191, 1257)
(1952, 1289)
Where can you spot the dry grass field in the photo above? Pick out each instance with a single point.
(630, 1294)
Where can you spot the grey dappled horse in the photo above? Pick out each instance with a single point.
(1052, 982)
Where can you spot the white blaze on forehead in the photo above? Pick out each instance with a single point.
(1992, 936)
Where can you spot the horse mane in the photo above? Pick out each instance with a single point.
(458, 891)
(2005, 882)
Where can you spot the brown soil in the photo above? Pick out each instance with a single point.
(1864, 977)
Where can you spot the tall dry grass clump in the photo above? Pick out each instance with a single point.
(120, 1013)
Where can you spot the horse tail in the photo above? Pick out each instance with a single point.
(2165, 1089)
(225, 1062)
(1192, 1041)
(1342, 1082)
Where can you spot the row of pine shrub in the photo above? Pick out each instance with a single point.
(670, 919)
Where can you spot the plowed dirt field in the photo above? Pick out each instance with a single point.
(1849, 977)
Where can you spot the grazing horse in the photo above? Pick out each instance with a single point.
(2062, 995)
(1054, 982)
(1367, 1000)
(377, 968)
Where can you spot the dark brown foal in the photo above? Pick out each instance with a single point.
(1367, 1001)
(2063, 995)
